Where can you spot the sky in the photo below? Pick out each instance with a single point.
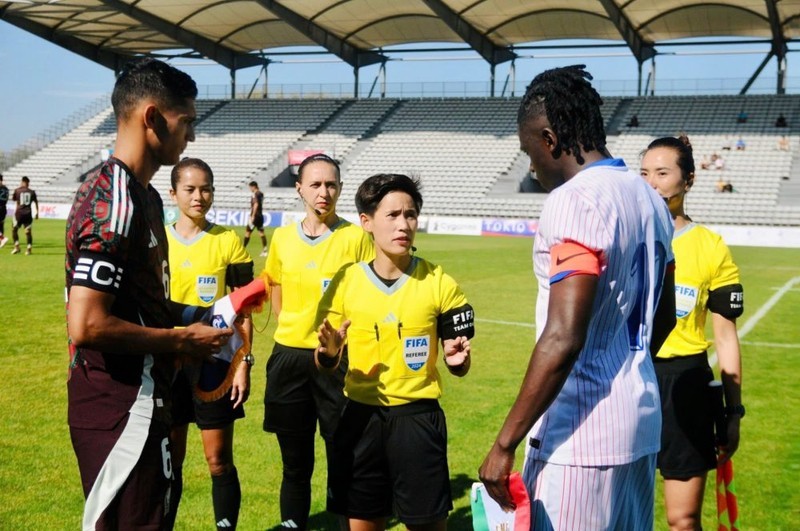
(42, 83)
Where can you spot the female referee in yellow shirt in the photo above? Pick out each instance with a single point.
(705, 279)
(302, 259)
(390, 450)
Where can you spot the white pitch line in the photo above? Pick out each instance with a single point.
(509, 323)
(756, 317)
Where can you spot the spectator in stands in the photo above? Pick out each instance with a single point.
(634, 121)
(719, 163)
(23, 216)
(256, 217)
(740, 144)
(781, 121)
(705, 163)
(3, 203)
(727, 144)
(303, 258)
(783, 143)
(706, 278)
(742, 118)
(723, 186)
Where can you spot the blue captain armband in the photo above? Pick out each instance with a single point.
(457, 322)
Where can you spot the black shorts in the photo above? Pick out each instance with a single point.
(298, 394)
(688, 446)
(208, 415)
(258, 223)
(23, 220)
(391, 459)
(134, 492)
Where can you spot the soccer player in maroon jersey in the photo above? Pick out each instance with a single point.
(3, 202)
(23, 215)
(256, 217)
(119, 316)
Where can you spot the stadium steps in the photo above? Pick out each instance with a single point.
(789, 192)
(509, 182)
(613, 125)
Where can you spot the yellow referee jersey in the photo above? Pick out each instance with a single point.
(393, 343)
(198, 266)
(303, 267)
(703, 263)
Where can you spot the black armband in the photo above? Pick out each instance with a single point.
(456, 323)
(238, 275)
(97, 271)
(727, 301)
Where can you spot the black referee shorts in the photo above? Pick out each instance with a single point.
(298, 394)
(688, 446)
(208, 415)
(391, 459)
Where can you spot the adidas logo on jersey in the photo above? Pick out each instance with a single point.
(391, 318)
(153, 241)
(311, 265)
(187, 263)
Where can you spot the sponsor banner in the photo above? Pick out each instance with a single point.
(447, 225)
(509, 227)
(227, 218)
(46, 210)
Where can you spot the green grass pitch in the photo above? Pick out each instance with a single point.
(39, 479)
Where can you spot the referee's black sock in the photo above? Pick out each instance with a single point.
(297, 452)
(226, 494)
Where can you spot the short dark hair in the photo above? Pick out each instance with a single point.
(375, 188)
(26, 180)
(572, 107)
(253, 183)
(189, 162)
(682, 147)
(150, 78)
(319, 157)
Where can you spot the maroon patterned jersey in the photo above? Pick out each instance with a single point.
(116, 244)
(24, 197)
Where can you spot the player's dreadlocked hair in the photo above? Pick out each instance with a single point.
(572, 107)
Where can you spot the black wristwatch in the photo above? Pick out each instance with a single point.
(249, 359)
(735, 410)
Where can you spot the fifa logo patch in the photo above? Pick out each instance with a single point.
(325, 283)
(685, 299)
(416, 351)
(206, 287)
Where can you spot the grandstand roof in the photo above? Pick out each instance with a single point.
(239, 33)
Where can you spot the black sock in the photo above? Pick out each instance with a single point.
(226, 494)
(297, 452)
(175, 492)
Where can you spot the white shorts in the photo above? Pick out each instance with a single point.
(591, 498)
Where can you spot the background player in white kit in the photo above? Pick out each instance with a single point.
(588, 406)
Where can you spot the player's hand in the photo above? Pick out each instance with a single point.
(494, 474)
(240, 389)
(201, 340)
(727, 451)
(456, 351)
(330, 339)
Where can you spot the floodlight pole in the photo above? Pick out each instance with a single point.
(491, 77)
(355, 86)
(233, 84)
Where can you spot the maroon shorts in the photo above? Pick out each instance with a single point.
(126, 474)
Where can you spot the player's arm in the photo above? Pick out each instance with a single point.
(91, 324)
(664, 319)
(569, 312)
(36, 202)
(276, 294)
